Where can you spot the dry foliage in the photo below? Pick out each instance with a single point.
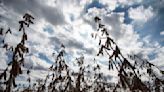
(89, 78)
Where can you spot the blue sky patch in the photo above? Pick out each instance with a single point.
(96, 4)
(9, 55)
(45, 58)
(125, 9)
(152, 56)
(72, 18)
(48, 29)
(153, 27)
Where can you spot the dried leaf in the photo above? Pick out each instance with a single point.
(1, 31)
(4, 75)
(28, 71)
(97, 19)
(162, 72)
(101, 25)
(8, 31)
(92, 35)
(5, 46)
(99, 42)
(20, 70)
(62, 46)
(14, 84)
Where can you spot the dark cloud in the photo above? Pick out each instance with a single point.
(73, 43)
(54, 40)
(34, 67)
(40, 10)
(70, 43)
(114, 21)
(39, 67)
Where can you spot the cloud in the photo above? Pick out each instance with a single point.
(114, 20)
(36, 62)
(65, 21)
(129, 2)
(162, 33)
(70, 43)
(141, 14)
(94, 3)
(110, 5)
(125, 35)
(159, 57)
(38, 8)
(3, 58)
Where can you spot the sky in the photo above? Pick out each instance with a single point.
(137, 27)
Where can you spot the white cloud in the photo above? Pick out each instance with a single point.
(129, 40)
(140, 13)
(3, 58)
(129, 2)
(75, 34)
(162, 33)
(111, 4)
(159, 57)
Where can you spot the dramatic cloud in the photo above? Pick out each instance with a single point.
(135, 25)
(38, 8)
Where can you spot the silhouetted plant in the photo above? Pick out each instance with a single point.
(128, 78)
(154, 82)
(17, 60)
(88, 78)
